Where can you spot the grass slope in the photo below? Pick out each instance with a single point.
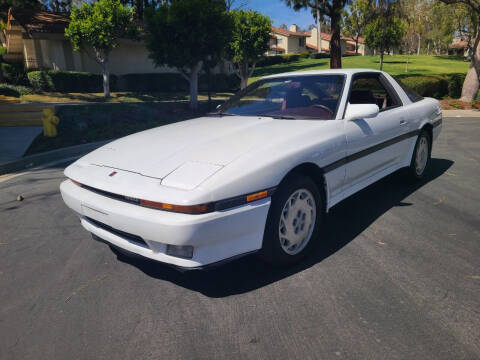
(394, 65)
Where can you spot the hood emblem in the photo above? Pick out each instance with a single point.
(112, 173)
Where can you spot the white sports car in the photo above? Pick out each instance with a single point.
(258, 174)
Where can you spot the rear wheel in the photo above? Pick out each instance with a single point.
(293, 222)
(421, 156)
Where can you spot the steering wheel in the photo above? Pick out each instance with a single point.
(324, 108)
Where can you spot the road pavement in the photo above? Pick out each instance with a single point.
(398, 277)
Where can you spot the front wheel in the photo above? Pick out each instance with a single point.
(421, 156)
(293, 222)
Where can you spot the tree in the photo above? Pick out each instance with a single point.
(100, 25)
(471, 83)
(333, 9)
(385, 32)
(185, 34)
(361, 12)
(235, 4)
(20, 4)
(250, 40)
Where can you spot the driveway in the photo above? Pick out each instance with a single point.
(399, 278)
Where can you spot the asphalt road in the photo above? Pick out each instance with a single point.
(399, 278)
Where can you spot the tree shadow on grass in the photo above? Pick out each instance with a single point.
(250, 273)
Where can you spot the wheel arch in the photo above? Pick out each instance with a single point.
(314, 172)
(429, 129)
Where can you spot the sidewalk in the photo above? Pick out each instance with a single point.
(461, 113)
(15, 140)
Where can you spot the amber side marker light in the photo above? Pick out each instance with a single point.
(186, 209)
(257, 196)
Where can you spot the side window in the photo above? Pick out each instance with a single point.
(369, 90)
(412, 94)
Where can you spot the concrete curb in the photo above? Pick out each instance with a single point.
(36, 160)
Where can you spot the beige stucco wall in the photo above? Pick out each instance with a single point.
(313, 38)
(289, 43)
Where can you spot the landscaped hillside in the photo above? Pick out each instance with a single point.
(394, 65)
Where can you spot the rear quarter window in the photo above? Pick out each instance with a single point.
(412, 94)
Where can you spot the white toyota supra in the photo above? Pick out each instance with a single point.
(256, 175)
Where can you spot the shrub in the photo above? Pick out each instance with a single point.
(14, 74)
(455, 85)
(319, 56)
(3, 50)
(269, 60)
(14, 90)
(68, 81)
(427, 85)
(290, 57)
(280, 59)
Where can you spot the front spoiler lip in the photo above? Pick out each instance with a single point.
(178, 267)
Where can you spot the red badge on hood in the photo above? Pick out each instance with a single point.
(112, 173)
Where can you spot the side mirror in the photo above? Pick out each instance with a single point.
(361, 111)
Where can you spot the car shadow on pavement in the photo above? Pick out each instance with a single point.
(250, 273)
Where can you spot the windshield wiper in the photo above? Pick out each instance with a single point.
(283, 117)
(220, 113)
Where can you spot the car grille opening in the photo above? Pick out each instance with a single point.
(137, 240)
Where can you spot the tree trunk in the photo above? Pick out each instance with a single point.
(106, 78)
(471, 83)
(319, 30)
(335, 44)
(193, 79)
(243, 72)
(381, 59)
(419, 44)
(356, 45)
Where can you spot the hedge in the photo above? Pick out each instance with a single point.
(14, 74)
(14, 90)
(70, 81)
(65, 81)
(280, 59)
(437, 86)
(455, 85)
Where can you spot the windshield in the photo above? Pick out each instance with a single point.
(295, 97)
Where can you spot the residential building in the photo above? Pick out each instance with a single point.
(347, 44)
(287, 41)
(459, 47)
(37, 38)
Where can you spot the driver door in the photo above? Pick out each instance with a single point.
(370, 142)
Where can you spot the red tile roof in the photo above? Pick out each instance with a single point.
(313, 47)
(328, 37)
(459, 45)
(286, 32)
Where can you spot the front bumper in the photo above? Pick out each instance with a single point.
(214, 236)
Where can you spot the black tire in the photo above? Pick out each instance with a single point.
(413, 170)
(272, 250)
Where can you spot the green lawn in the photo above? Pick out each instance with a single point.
(394, 65)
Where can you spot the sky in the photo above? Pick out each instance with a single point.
(280, 13)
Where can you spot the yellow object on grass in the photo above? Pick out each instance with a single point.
(50, 122)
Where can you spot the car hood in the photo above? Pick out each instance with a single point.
(202, 145)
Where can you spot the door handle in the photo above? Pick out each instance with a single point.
(403, 122)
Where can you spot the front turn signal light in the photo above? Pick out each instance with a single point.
(186, 209)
